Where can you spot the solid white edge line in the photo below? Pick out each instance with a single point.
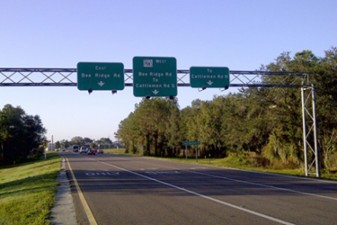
(203, 196)
(265, 185)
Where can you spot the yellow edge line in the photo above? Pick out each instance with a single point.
(86, 207)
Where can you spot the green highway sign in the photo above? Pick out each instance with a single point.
(209, 77)
(188, 143)
(154, 76)
(100, 76)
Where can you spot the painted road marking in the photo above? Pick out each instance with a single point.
(86, 207)
(258, 184)
(265, 185)
(203, 196)
(101, 174)
(162, 172)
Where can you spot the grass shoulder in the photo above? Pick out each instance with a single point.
(27, 191)
(119, 151)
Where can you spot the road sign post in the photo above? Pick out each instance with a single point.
(185, 151)
(100, 76)
(209, 77)
(191, 143)
(154, 76)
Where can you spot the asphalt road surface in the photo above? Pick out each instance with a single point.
(112, 189)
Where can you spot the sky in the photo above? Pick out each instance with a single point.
(238, 34)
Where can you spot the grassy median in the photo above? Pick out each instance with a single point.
(27, 191)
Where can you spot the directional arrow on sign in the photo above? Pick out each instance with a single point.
(154, 76)
(209, 82)
(155, 92)
(209, 77)
(101, 83)
(92, 76)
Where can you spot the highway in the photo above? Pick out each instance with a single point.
(111, 189)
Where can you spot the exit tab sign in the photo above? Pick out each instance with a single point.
(154, 76)
(100, 76)
(209, 77)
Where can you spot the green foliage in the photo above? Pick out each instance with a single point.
(263, 123)
(21, 135)
(152, 129)
(27, 191)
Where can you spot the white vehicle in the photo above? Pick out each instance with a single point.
(84, 149)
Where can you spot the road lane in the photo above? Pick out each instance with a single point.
(137, 190)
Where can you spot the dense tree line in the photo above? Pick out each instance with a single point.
(262, 124)
(22, 136)
(102, 143)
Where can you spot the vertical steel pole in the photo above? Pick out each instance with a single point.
(317, 153)
(196, 154)
(52, 143)
(185, 151)
(305, 150)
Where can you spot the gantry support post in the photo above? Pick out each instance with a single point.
(310, 143)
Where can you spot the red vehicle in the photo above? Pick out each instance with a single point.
(91, 152)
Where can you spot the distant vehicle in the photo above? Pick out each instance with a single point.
(84, 149)
(91, 152)
(76, 148)
(99, 151)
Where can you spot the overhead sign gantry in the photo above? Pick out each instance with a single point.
(66, 77)
(152, 76)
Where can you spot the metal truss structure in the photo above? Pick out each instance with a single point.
(310, 140)
(30, 77)
(63, 77)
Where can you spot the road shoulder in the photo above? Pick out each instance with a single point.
(63, 211)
